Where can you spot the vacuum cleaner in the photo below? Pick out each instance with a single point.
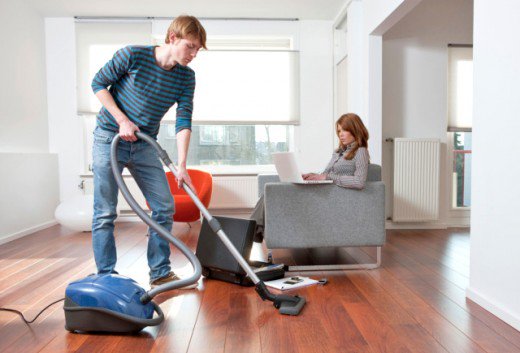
(117, 304)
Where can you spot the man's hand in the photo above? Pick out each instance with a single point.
(313, 176)
(127, 130)
(183, 176)
(307, 176)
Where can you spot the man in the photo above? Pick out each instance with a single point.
(137, 87)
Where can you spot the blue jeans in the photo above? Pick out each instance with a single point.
(143, 163)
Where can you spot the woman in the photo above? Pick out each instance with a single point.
(348, 166)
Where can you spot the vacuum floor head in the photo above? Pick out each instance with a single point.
(292, 307)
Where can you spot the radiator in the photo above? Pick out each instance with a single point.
(416, 180)
(234, 192)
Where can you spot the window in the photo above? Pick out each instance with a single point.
(246, 101)
(461, 182)
(460, 116)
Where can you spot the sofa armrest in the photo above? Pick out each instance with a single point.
(264, 179)
(309, 216)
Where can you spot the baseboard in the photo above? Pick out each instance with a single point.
(459, 222)
(23, 233)
(131, 217)
(493, 308)
(427, 225)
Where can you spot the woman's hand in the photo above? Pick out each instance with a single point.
(183, 176)
(313, 176)
(307, 176)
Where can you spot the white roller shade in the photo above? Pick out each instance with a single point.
(460, 89)
(242, 87)
(96, 43)
(341, 87)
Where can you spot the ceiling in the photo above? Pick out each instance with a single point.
(301, 9)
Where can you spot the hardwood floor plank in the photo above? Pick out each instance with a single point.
(336, 331)
(13, 248)
(448, 335)
(209, 334)
(242, 334)
(416, 337)
(32, 268)
(323, 326)
(378, 334)
(274, 335)
(430, 288)
(458, 296)
(449, 273)
(413, 243)
(64, 343)
(13, 263)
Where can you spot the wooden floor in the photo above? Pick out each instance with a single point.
(414, 303)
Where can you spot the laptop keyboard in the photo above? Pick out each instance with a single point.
(317, 181)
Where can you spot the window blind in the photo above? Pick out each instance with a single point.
(96, 43)
(245, 87)
(460, 88)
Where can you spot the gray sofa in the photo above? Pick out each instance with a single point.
(319, 216)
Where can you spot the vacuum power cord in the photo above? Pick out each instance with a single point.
(31, 321)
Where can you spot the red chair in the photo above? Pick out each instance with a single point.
(185, 209)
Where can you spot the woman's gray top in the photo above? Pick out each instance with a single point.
(352, 173)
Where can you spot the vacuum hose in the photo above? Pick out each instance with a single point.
(288, 305)
(150, 222)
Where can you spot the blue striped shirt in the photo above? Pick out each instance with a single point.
(144, 91)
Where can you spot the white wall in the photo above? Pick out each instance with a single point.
(364, 49)
(313, 137)
(28, 192)
(23, 106)
(495, 224)
(65, 127)
(355, 36)
(415, 86)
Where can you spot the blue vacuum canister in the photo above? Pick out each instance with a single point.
(108, 303)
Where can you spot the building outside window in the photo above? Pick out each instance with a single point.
(237, 145)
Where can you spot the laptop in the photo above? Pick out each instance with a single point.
(288, 170)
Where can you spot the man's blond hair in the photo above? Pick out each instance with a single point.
(187, 26)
